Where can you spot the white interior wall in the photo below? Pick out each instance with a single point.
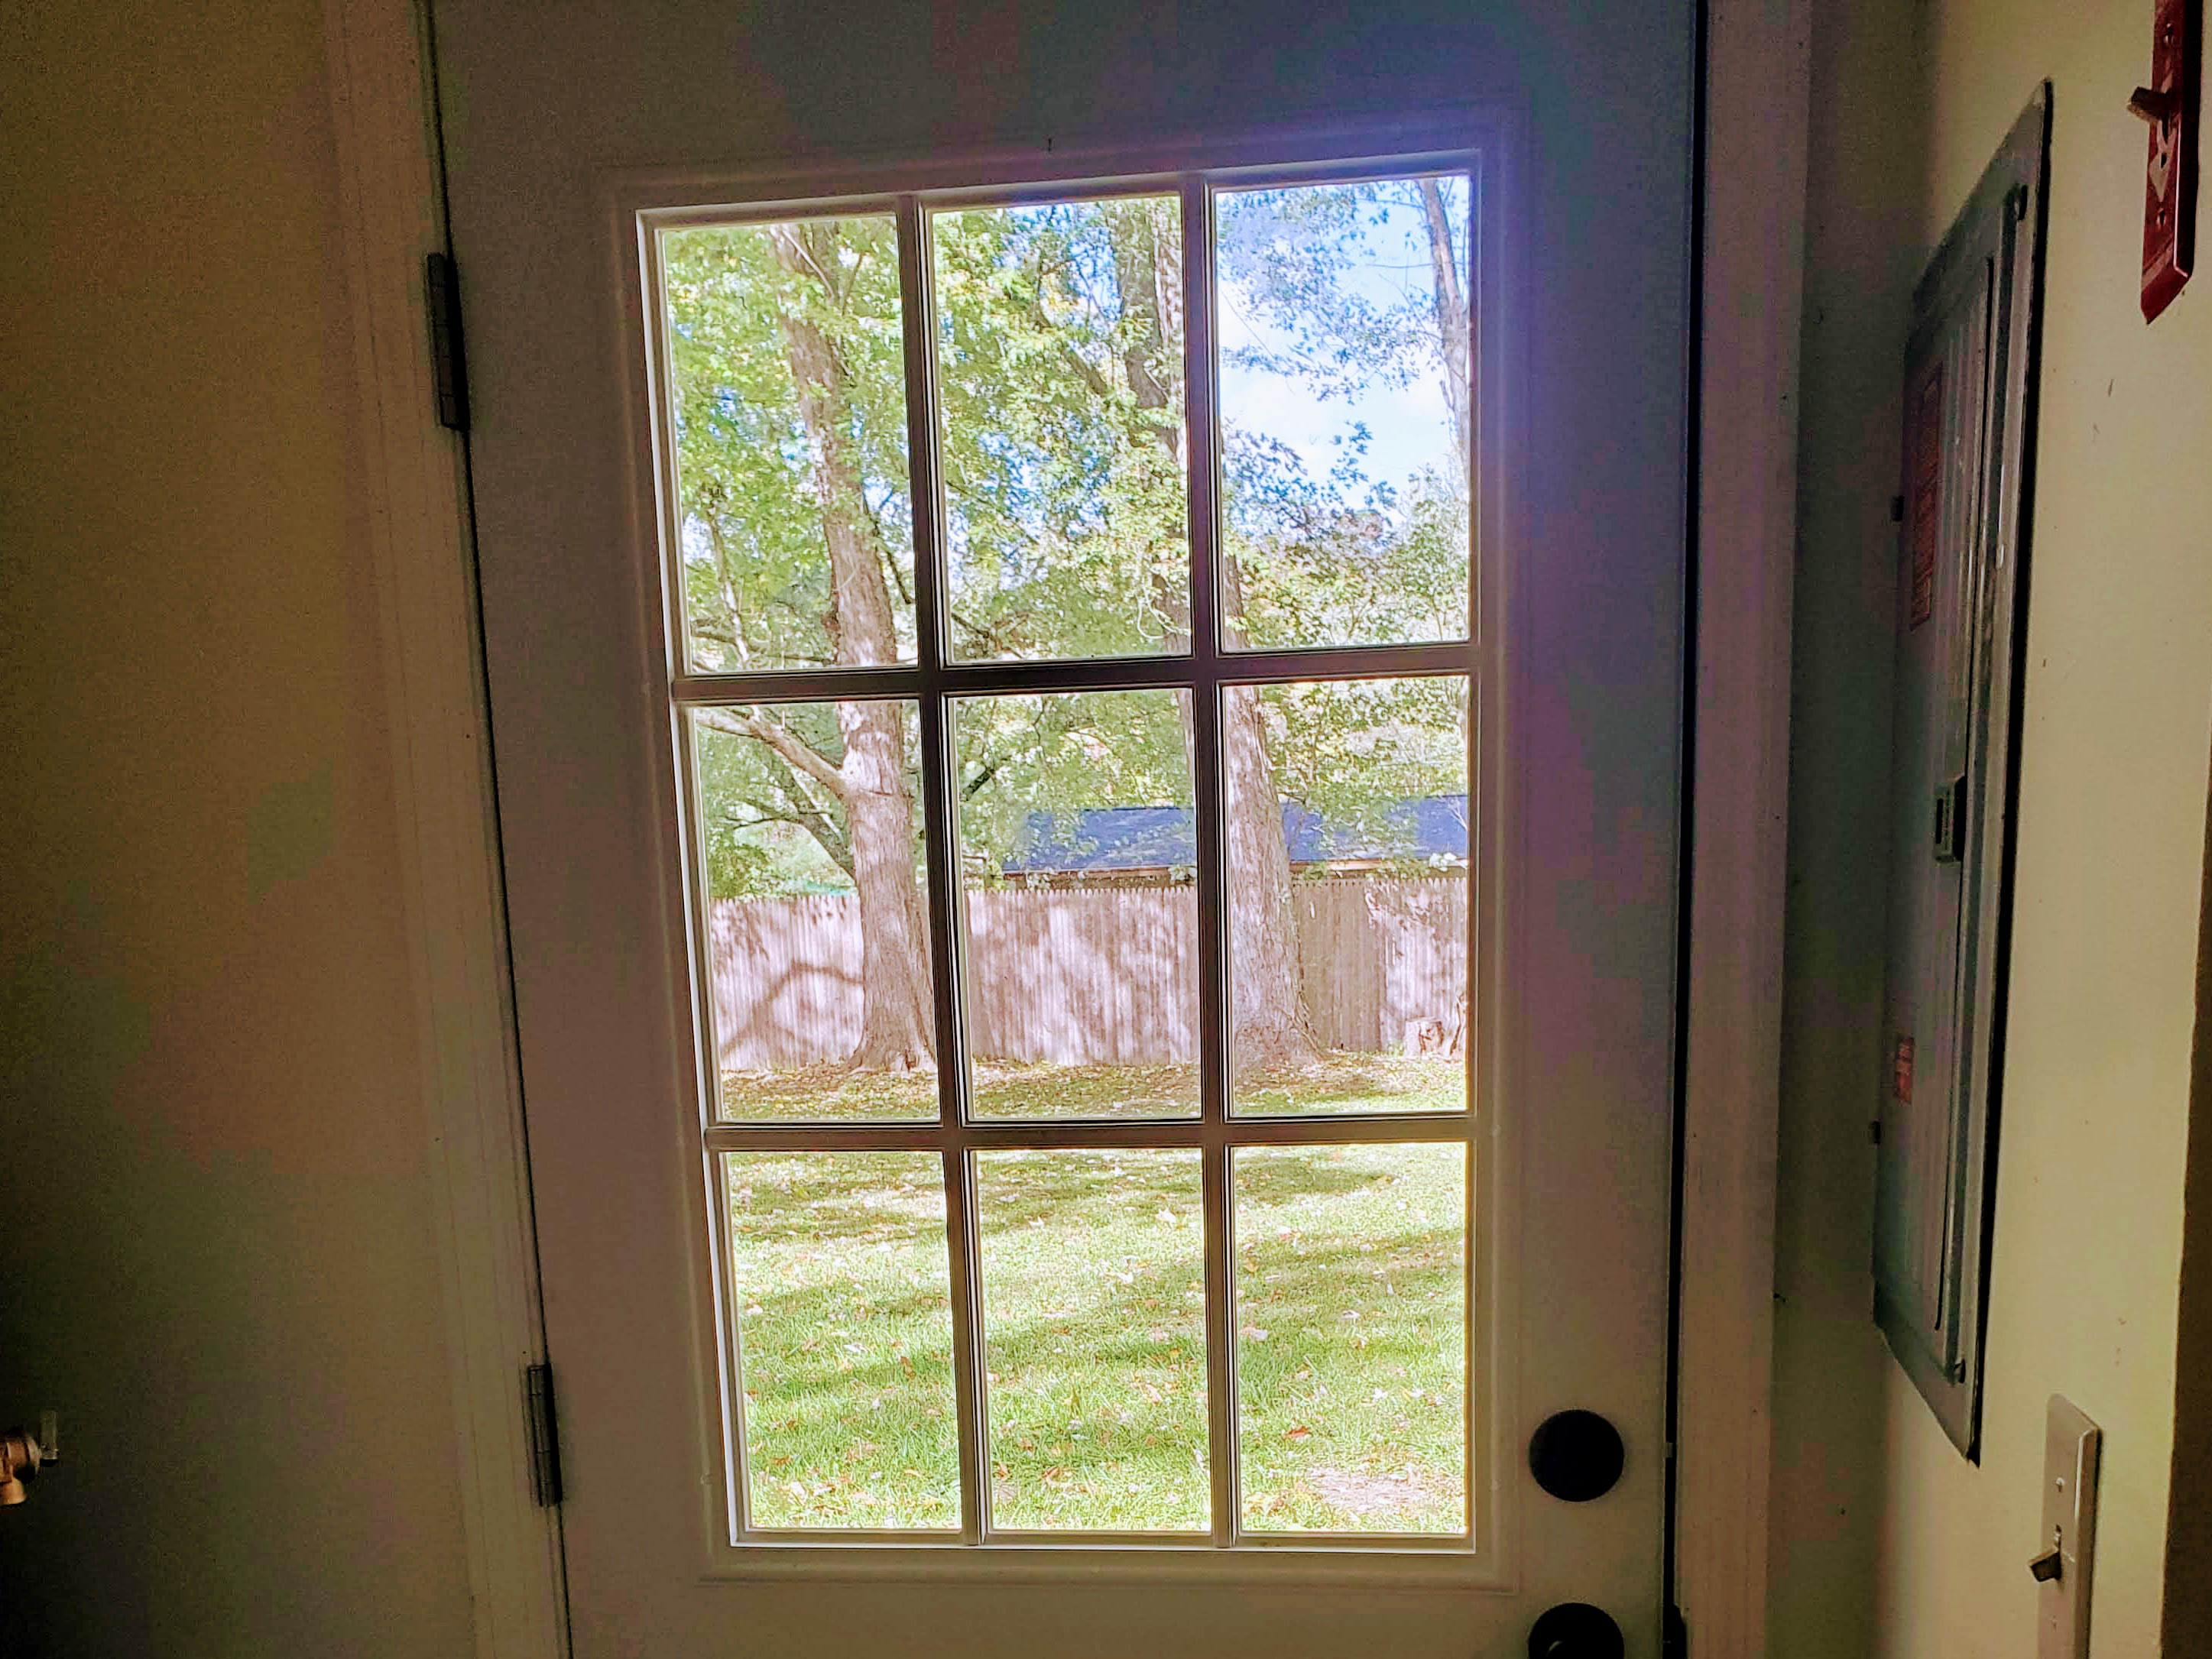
(216, 1251)
(1911, 102)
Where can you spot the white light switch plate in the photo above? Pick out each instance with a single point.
(2070, 1447)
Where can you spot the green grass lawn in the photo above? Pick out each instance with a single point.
(1094, 1335)
(841, 1286)
(1349, 1292)
(1336, 1083)
(1351, 1319)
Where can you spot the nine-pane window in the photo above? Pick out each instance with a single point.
(1075, 691)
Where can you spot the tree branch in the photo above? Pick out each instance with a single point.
(787, 745)
(796, 240)
(726, 582)
(985, 636)
(1090, 376)
(800, 814)
(830, 836)
(984, 774)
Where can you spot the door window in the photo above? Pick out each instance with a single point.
(1072, 598)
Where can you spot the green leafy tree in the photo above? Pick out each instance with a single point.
(1061, 354)
(1061, 374)
(1336, 558)
(1356, 288)
(791, 446)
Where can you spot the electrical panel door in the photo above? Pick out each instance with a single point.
(1968, 385)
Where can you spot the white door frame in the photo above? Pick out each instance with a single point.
(412, 476)
(1755, 75)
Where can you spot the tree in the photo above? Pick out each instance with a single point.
(1308, 561)
(1060, 372)
(1353, 294)
(758, 449)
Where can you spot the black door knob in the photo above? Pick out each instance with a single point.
(1575, 1630)
(1577, 1455)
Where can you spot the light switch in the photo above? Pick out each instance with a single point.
(2065, 1555)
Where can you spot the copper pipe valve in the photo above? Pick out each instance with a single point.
(22, 1457)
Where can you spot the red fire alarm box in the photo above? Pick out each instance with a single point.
(2170, 106)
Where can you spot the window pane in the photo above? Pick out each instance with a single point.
(1060, 362)
(1352, 1338)
(844, 1322)
(1081, 911)
(787, 381)
(1342, 316)
(817, 930)
(1094, 1335)
(1346, 842)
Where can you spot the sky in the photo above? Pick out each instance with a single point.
(1410, 426)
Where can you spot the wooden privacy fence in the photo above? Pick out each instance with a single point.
(1089, 975)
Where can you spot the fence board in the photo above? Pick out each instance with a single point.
(1088, 975)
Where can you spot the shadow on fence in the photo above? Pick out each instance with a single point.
(1089, 976)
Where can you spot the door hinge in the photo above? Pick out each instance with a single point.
(544, 1435)
(449, 363)
(1674, 1642)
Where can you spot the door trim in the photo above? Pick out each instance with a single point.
(633, 206)
(1755, 72)
(408, 479)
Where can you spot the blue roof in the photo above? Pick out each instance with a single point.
(1124, 838)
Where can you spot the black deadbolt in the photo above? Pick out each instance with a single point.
(1575, 1630)
(1576, 1456)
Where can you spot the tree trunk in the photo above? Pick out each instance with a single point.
(1452, 320)
(1269, 1022)
(896, 1003)
(1137, 262)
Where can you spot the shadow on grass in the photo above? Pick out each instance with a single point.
(1337, 1082)
(1350, 1283)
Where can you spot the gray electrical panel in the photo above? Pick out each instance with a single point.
(1969, 420)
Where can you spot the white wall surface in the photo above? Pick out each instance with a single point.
(1911, 102)
(216, 1249)
(1862, 251)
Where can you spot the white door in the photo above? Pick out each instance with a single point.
(1084, 622)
